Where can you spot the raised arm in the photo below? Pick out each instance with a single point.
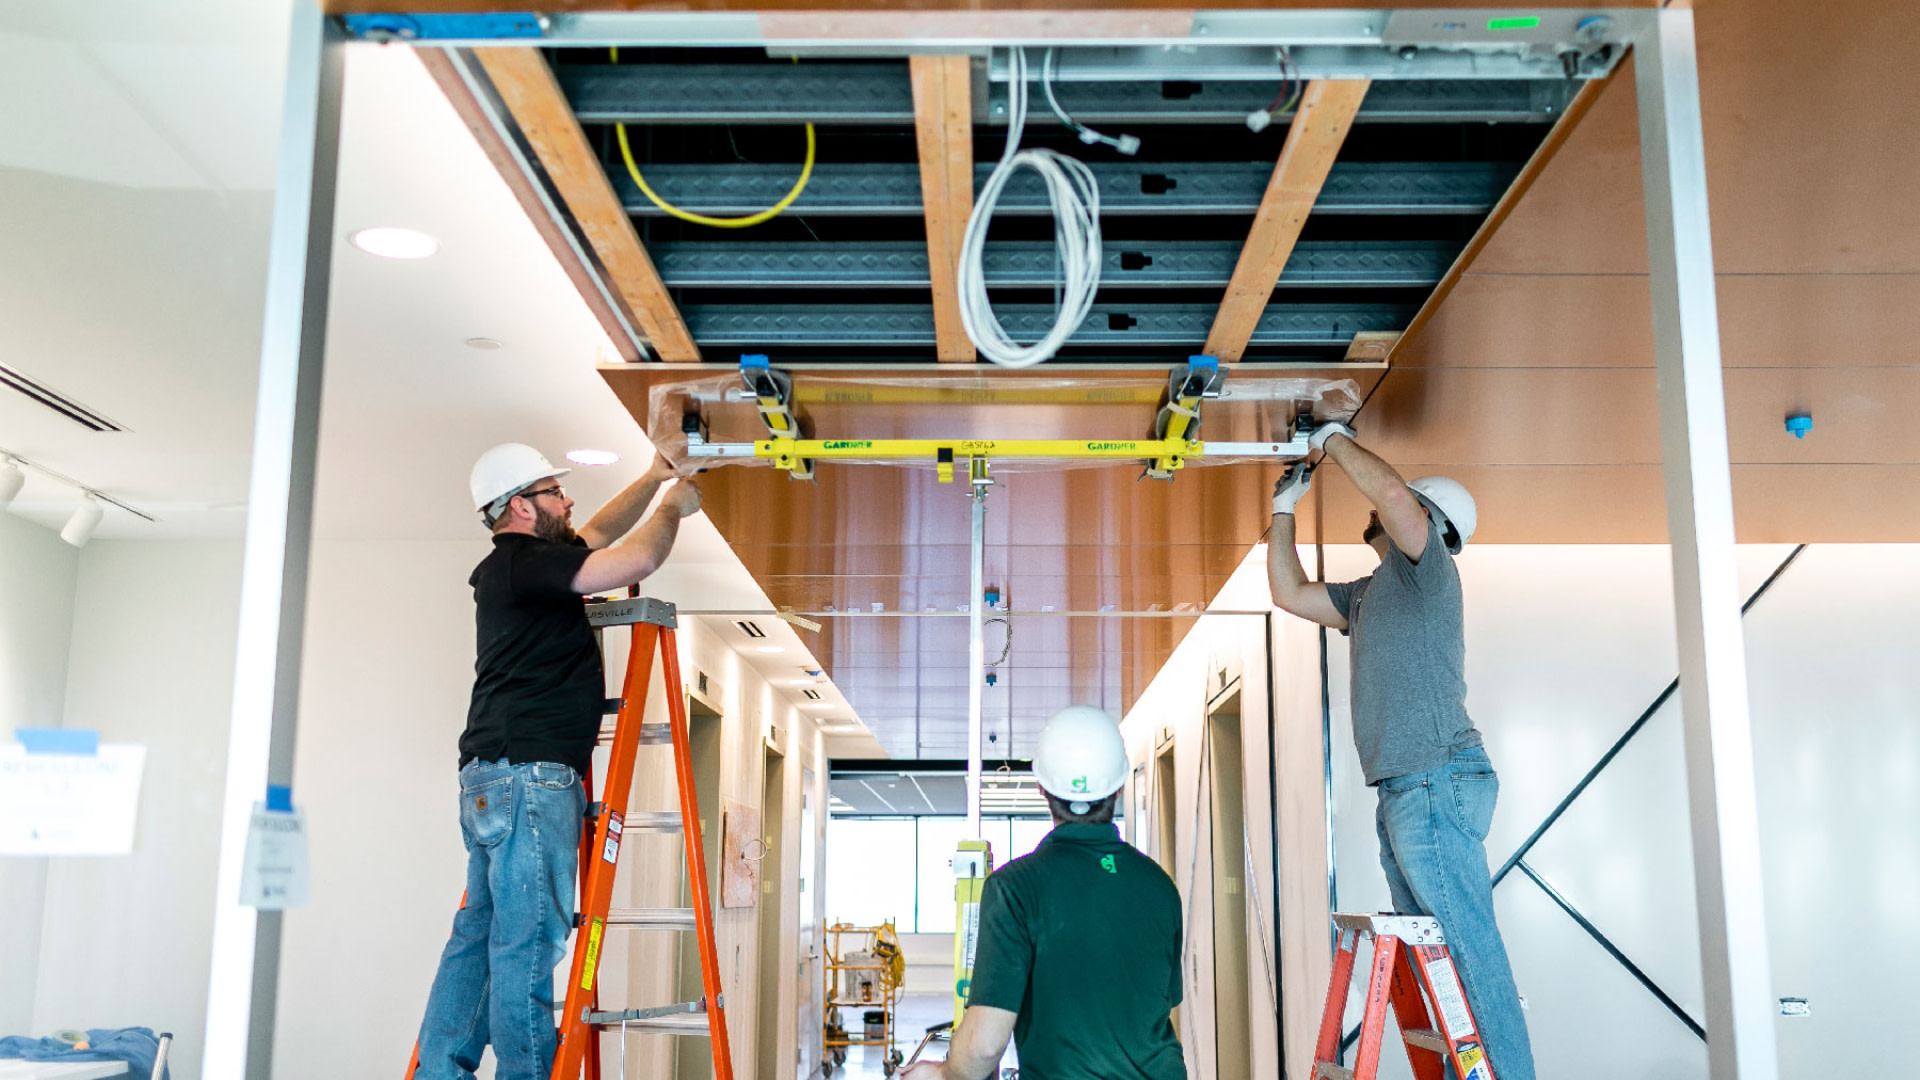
(1400, 513)
(613, 520)
(643, 552)
(1292, 592)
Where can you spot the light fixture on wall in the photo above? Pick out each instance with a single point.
(592, 457)
(80, 526)
(389, 242)
(11, 480)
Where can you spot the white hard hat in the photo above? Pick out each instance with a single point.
(1447, 498)
(506, 469)
(1081, 758)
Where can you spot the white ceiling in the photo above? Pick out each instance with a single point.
(133, 283)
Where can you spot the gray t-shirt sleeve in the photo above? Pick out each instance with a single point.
(1344, 593)
(1428, 572)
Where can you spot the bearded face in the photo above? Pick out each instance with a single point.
(551, 526)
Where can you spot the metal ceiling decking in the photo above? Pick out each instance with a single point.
(841, 274)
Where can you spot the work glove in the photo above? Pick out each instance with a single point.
(1288, 490)
(1318, 440)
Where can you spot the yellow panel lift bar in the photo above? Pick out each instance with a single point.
(1178, 418)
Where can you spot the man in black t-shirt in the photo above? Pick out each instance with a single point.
(538, 695)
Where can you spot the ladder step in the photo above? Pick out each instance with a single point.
(652, 821)
(694, 1024)
(686, 1018)
(650, 734)
(1426, 1040)
(670, 918)
(1328, 1071)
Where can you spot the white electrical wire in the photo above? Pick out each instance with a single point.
(1075, 196)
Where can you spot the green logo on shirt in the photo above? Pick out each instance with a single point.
(1106, 863)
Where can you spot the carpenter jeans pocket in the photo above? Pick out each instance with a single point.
(486, 811)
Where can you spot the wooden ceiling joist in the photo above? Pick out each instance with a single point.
(526, 85)
(943, 126)
(1320, 125)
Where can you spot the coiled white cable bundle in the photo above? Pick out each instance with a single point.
(1075, 196)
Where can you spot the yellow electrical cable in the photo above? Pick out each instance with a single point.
(771, 212)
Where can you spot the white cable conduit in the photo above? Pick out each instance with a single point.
(1075, 197)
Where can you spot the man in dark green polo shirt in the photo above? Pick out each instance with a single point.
(1079, 954)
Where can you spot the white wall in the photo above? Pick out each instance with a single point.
(37, 574)
(135, 640)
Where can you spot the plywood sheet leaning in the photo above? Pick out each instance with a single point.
(739, 867)
(943, 126)
(527, 86)
(1319, 127)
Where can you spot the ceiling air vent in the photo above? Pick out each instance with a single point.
(750, 628)
(55, 400)
(812, 695)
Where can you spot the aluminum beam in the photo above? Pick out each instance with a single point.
(1728, 886)
(1126, 188)
(869, 93)
(245, 971)
(1151, 264)
(1183, 325)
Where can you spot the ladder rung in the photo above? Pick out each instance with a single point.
(694, 1024)
(669, 918)
(652, 821)
(650, 734)
(1426, 1040)
(1326, 1070)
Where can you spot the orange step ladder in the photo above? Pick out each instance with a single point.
(1411, 967)
(608, 820)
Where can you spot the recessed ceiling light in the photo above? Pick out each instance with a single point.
(770, 648)
(484, 344)
(389, 242)
(800, 682)
(592, 457)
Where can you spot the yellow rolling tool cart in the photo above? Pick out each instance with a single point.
(865, 970)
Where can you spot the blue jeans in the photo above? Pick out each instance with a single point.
(495, 983)
(1432, 827)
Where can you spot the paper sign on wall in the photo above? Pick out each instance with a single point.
(67, 803)
(274, 875)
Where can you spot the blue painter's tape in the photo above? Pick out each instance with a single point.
(280, 798)
(420, 27)
(59, 741)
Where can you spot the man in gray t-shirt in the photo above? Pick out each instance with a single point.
(1417, 744)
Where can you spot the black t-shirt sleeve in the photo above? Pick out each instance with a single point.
(545, 571)
(1003, 961)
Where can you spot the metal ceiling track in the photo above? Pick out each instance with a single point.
(1127, 188)
(879, 93)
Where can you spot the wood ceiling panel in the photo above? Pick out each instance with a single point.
(1626, 504)
(1528, 416)
(1586, 320)
(1860, 415)
(1807, 181)
(1819, 320)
